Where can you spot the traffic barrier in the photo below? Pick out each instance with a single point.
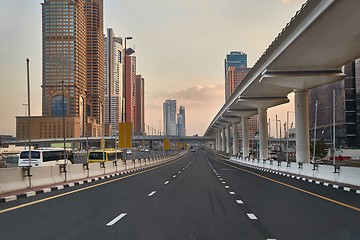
(12, 179)
(41, 176)
(56, 174)
(129, 164)
(110, 167)
(77, 171)
(95, 169)
(339, 174)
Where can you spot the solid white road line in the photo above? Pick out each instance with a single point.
(252, 216)
(152, 193)
(112, 222)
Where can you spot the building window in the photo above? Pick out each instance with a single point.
(57, 106)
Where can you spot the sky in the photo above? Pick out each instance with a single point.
(180, 49)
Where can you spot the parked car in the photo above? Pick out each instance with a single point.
(128, 152)
(316, 160)
(12, 160)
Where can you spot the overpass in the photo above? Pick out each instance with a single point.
(96, 140)
(310, 51)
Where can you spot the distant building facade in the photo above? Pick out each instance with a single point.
(130, 91)
(181, 129)
(347, 109)
(169, 117)
(72, 69)
(139, 105)
(235, 72)
(113, 81)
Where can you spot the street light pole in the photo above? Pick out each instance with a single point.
(124, 78)
(29, 118)
(316, 108)
(334, 146)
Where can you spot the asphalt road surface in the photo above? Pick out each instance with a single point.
(199, 196)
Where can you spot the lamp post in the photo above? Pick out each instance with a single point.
(280, 135)
(124, 78)
(316, 108)
(29, 118)
(334, 146)
(287, 135)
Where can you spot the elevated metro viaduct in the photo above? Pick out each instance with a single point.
(110, 141)
(310, 51)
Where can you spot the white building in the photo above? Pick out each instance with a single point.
(113, 81)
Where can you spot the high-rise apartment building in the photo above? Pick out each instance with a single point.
(139, 120)
(94, 59)
(235, 72)
(347, 109)
(169, 117)
(181, 130)
(72, 71)
(130, 86)
(113, 81)
(64, 58)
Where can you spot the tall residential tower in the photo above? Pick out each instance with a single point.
(113, 81)
(169, 119)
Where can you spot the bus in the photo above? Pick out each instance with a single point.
(110, 155)
(45, 157)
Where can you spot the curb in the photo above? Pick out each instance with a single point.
(307, 179)
(66, 185)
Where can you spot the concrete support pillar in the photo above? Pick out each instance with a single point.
(227, 139)
(235, 139)
(245, 136)
(223, 140)
(219, 140)
(216, 140)
(302, 126)
(263, 134)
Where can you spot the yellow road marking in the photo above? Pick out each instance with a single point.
(293, 187)
(84, 188)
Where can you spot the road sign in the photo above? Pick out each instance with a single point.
(166, 144)
(125, 135)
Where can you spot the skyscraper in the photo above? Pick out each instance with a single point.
(64, 57)
(72, 71)
(169, 117)
(181, 122)
(130, 91)
(235, 72)
(113, 81)
(139, 105)
(94, 59)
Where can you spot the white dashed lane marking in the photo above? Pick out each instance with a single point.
(252, 216)
(152, 193)
(166, 182)
(112, 222)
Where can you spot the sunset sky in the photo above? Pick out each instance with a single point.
(180, 47)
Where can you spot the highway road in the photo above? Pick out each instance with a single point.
(199, 196)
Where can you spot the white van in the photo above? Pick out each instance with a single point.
(45, 157)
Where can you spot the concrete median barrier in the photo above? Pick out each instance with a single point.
(12, 179)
